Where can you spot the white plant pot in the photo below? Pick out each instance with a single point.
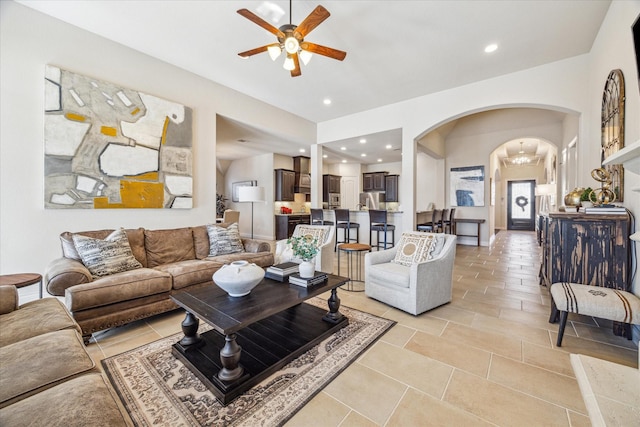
(307, 269)
(238, 278)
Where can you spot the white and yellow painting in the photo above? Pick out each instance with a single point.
(110, 147)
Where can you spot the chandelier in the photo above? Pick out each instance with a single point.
(521, 159)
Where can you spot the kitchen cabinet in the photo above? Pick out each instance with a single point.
(286, 224)
(285, 183)
(589, 249)
(330, 184)
(373, 181)
(391, 188)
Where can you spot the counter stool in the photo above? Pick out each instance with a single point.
(343, 222)
(378, 223)
(435, 223)
(354, 267)
(21, 280)
(317, 217)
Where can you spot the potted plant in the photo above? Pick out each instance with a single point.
(585, 201)
(305, 248)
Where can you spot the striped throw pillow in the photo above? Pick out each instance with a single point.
(224, 240)
(109, 256)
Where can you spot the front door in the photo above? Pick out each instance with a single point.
(521, 206)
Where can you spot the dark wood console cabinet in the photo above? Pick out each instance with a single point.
(586, 248)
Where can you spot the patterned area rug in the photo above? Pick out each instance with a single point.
(158, 390)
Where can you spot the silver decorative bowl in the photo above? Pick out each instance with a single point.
(238, 278)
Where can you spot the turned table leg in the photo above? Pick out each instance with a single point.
(190, 329)
(230, 357)
(333, 316)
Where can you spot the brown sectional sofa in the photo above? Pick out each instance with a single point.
(172, 260)
(46, 375)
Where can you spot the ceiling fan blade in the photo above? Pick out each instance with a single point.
(296, 71)
(314, 19)
(264, 24)
(257, 50)
(323, 50)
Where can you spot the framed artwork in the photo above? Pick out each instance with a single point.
(467, 186)
(109, 147)
(236, 185)
(612, 127)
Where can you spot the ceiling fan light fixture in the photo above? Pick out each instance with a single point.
(288, 63)
(305, 56)
(274, 52)
(291, 45)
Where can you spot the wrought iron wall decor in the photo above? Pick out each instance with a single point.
(612, 127)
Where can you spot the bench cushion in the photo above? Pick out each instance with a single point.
(605, 303)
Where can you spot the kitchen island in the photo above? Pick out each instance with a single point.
(362, 218)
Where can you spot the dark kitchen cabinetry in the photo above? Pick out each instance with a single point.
(588, 249)
(391, 188)
(330, 184)
(285, 183)
(285, 224)
(373, 181)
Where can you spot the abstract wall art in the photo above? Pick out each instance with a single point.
(108, 147)
(467, 186)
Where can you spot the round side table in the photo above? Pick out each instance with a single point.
(21, 280)
(354, 266)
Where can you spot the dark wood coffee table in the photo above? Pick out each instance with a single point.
(270, 324)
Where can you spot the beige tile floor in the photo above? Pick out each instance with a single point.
(487, 358)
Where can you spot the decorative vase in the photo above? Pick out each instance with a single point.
(307, 269)
(573, 197)
(238, 278)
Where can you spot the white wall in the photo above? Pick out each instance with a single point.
(30, 40)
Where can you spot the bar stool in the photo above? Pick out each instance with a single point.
(378, 223)
(344, 222)
(433, 225)
(355, 283)
(317, 217)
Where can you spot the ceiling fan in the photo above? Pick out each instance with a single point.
(291, 40)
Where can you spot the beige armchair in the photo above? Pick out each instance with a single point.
(413, 288)
(324, 259)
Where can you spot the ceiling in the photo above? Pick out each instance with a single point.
(396, 50)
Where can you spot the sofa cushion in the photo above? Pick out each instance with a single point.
(35, 318)
(167, 246)
(224, 240)
(82, 401)
(116, 288)
(200, 241)
(25, 368)
(415, 248)
(8, 298)
(262, 259)
(190, 272)
(109, 256)
(135, 236)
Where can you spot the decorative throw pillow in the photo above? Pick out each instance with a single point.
(414, 249)
(223, 240)
(109, 256)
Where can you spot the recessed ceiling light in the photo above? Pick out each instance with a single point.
(379, 160)
(302, 150)
(491, 48)
(343, 148)
(344, 161)
(326, 101)
(324, 156)
(363, 141)
(363, 155)
(388, 147)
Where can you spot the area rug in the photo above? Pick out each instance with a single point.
(158, 390)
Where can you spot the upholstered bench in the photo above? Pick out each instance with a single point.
(605, 303)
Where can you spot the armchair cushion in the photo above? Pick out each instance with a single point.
(109, 256)
(416, 248)
(391, 274)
